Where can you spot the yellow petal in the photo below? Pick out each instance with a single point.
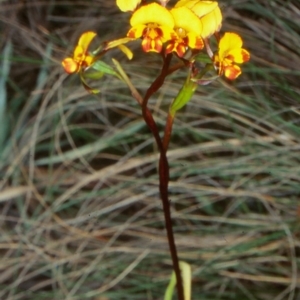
(239, 55)
(199, 7)
(70, 65)
(128, 5)
(229, 42)
(195, 41)
(184, 18)
(79, 53)
(211, 22)
(118, 42)
(88, 60)
(136, 31)
(152, 13)
(187, 3)
(232, 72)
(85, 39)
(126, 51)
(208, 12)
(202, 8)
(167, 33)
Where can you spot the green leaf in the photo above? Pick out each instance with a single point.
(184, 96)
(170, 288)
(186, 275)
(86, 86)
(104, 68)
(5, 68)
(203, 57)
(93, 75)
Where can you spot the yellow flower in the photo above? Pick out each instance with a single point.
(81, 58)
(188, 28)
(128, 5)
(230, 52)
(209, 13)
(154, 23)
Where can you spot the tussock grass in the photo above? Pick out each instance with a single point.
(80, 211)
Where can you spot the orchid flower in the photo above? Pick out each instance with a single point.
(81, 58)
(229, 54)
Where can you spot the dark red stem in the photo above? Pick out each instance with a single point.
(163, 170)
(168, 131)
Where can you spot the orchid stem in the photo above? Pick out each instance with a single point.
(168, 130)
(163, 169)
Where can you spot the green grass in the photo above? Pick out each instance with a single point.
(80, 215)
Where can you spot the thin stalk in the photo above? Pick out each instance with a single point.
(168, 130)
(163, 171)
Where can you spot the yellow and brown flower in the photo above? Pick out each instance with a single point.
(154, 24)
(229, 54)
(81, 58)
(188, 28)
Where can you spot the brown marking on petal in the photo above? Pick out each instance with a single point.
(152, 39)
(231, 72)
(181, 49)
(230, 57)
(177, 45)
(245, 55)
(185, 41)
(131, 33)
(180, 44)
(157, 45)
(152, 45)
(169, 48)
(152, 32)
(146, 44)
(84, 64)
(159, 32)
(199, 43)
(174, 36)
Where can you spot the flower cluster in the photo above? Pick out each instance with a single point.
(182, 27)
(188, 25)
